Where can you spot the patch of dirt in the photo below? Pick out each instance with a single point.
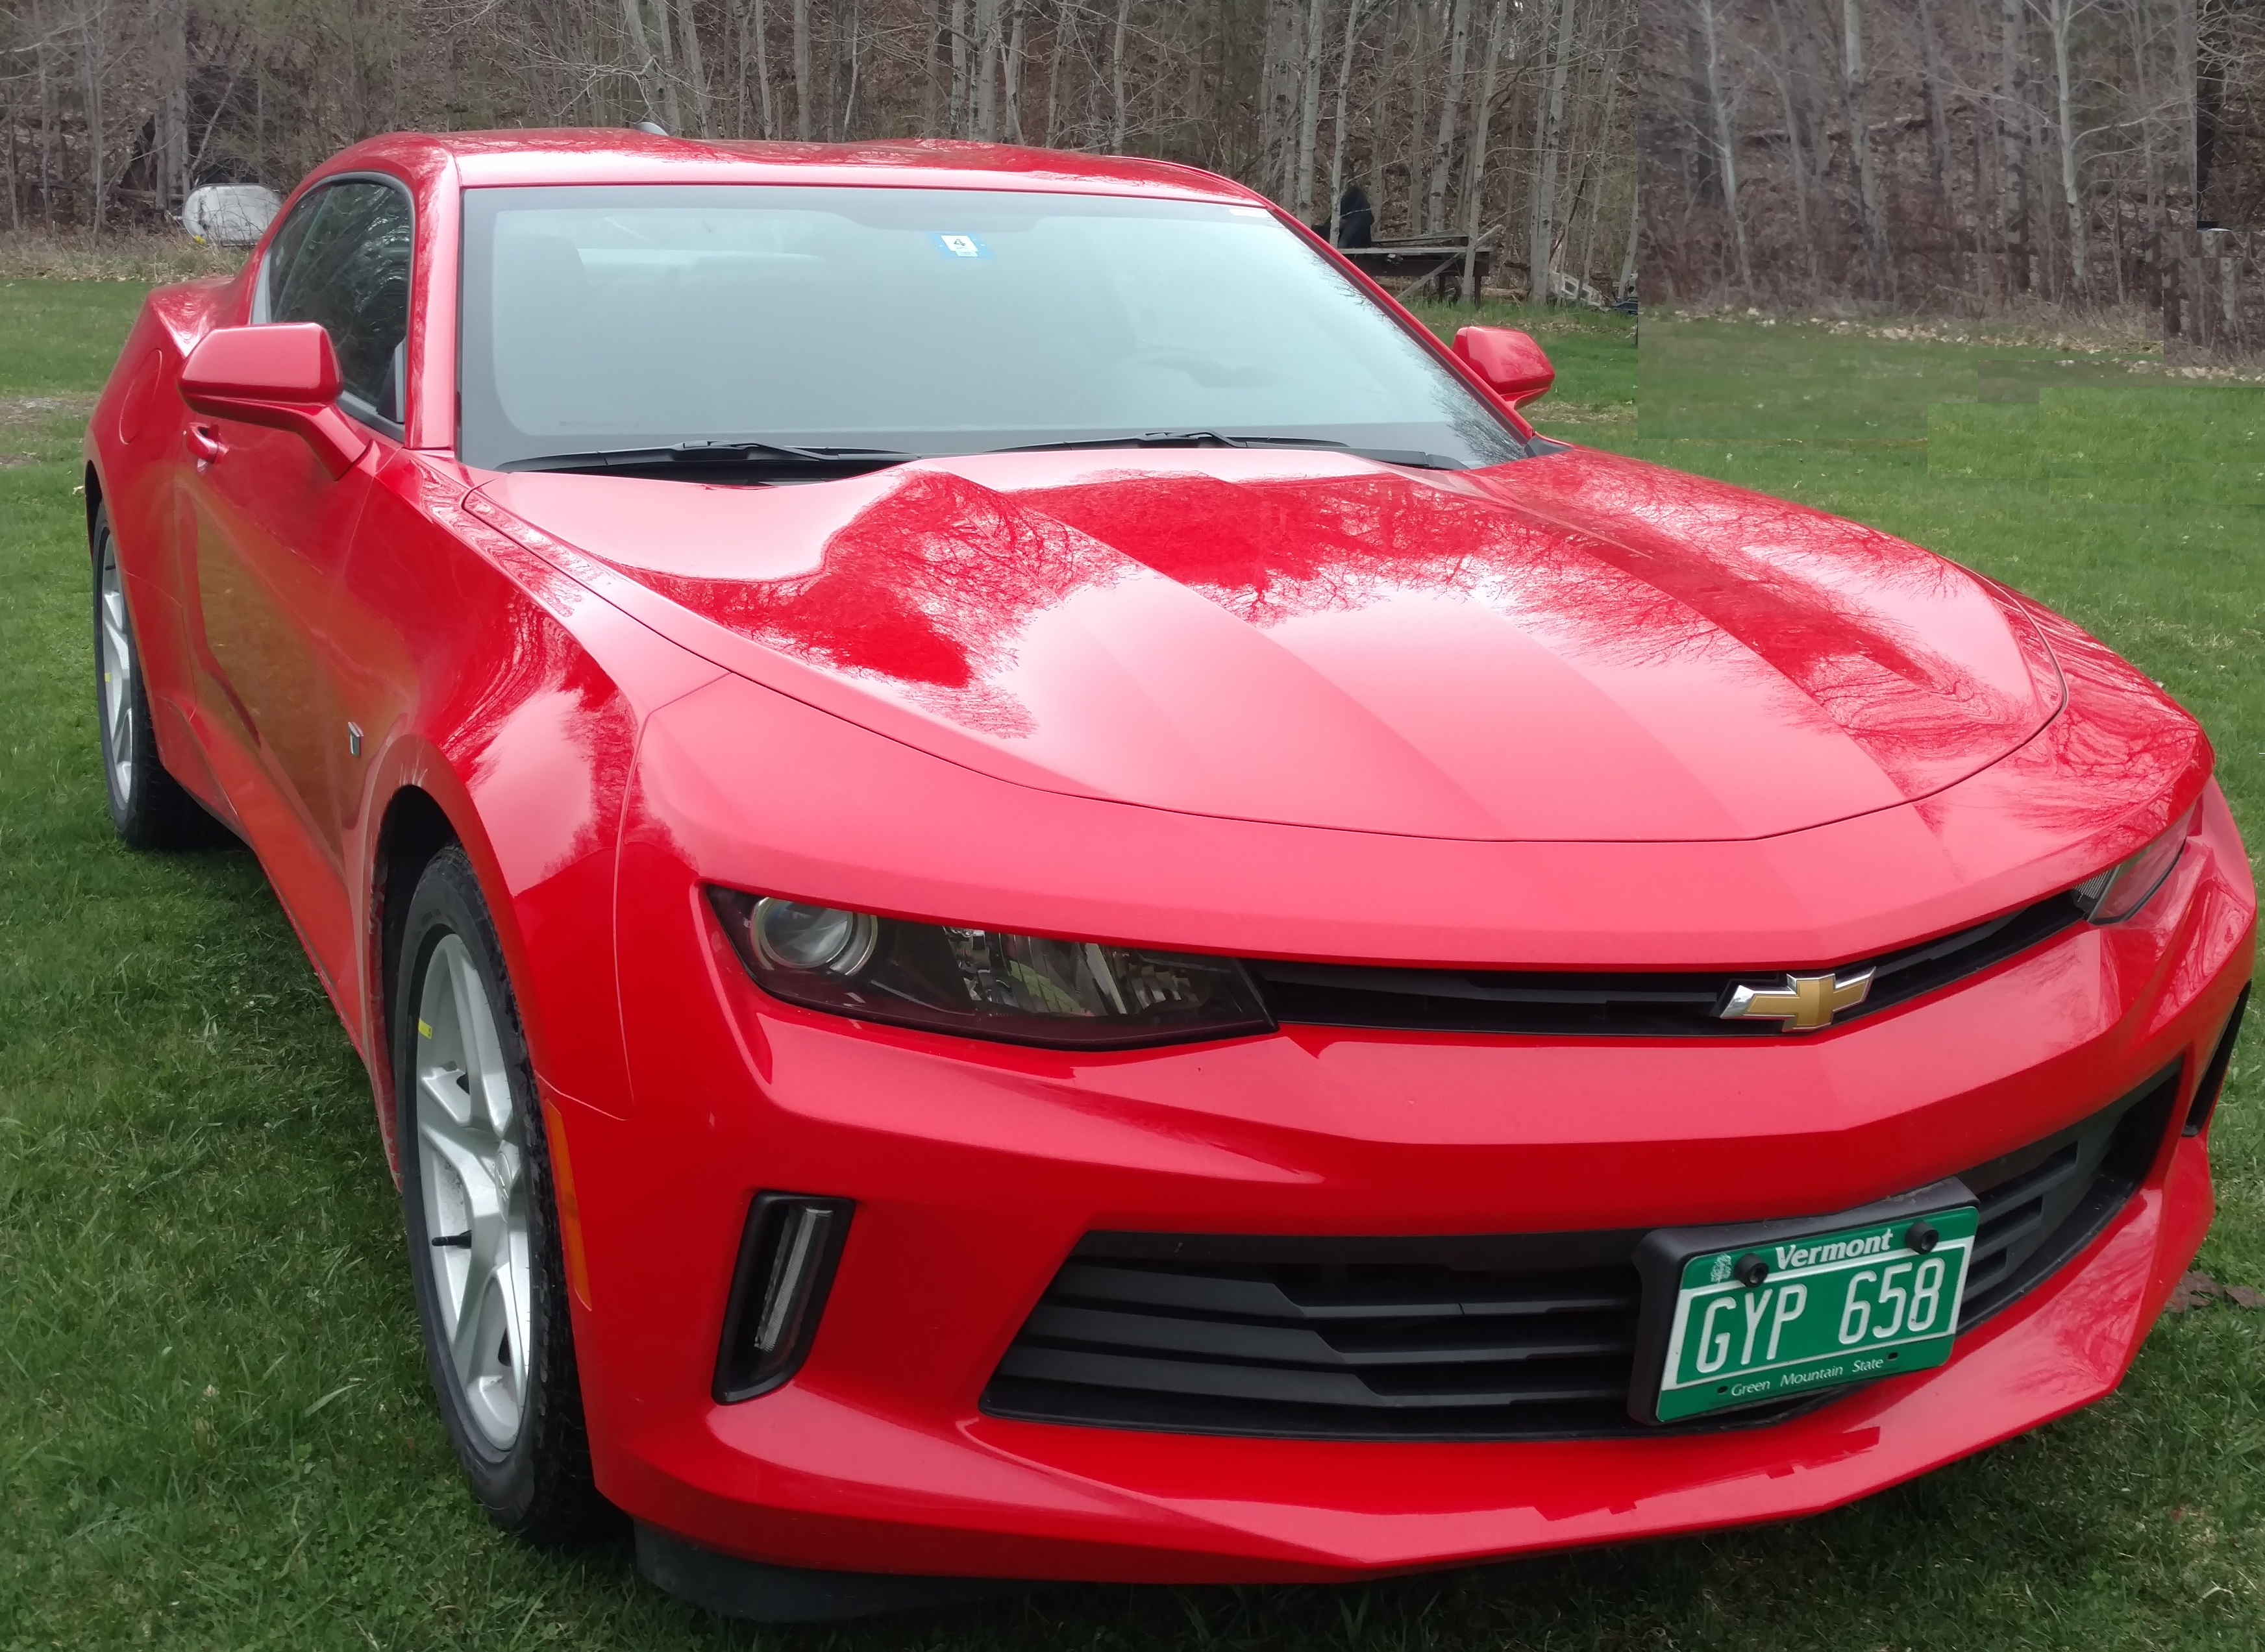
(28, 422)
(2199, 1291)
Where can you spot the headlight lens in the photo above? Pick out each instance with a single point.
(2125, 887)
(983, 983)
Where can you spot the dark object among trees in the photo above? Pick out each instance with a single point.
(1356, 220)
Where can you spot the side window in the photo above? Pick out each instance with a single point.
(342, 259)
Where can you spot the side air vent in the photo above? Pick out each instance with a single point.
(787, 1254)
(1578, 1004)
(1500, 1336)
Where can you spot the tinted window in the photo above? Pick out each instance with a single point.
(927, 321)
(342, 259)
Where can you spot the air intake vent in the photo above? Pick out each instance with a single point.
(787, 1254)
(1507, 1336)
(1575, 1004)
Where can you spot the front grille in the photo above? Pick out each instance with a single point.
(1575, 1003)
(1502, 1336)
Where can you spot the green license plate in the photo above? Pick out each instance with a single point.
(1847, 1306)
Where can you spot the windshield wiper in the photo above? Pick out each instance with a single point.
(1412, 457)
(741, 455)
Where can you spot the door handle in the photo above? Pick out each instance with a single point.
(205, 442)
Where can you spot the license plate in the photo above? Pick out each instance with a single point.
(1765, 1314)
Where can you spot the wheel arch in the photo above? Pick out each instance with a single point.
(413, 829)
(93, 490)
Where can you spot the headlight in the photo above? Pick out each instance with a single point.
(2125, 887)
(1020, 988)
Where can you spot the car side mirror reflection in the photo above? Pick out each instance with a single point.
(1514, 367)
(284, 375)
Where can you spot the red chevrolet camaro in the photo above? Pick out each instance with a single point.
(1030, 895)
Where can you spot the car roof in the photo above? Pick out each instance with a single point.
(618, 156)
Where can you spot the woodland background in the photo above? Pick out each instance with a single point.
(1974, 157)
(1515, 117)
(1964, 156)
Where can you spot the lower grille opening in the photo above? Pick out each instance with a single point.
(1500, 1336)
(2043, 1204)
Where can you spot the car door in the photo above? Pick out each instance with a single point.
(272, 529)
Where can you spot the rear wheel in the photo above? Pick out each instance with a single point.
(482, 1220)
(147, 806)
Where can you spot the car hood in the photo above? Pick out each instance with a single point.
(1574, 646)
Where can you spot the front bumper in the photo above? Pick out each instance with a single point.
(977, 1169)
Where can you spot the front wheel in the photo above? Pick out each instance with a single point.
(482, 1220)
(147, 806)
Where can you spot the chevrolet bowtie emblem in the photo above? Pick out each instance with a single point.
(1804, 1003)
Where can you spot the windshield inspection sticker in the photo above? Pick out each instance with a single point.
(960, 246)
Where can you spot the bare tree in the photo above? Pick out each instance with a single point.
(1459, 35)
(1726, 147)
(1474, 178)
(1856, 83)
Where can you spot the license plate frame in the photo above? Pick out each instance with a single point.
(1685, 1269)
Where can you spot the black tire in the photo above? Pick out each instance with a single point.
(538, 1485)
(147, 806)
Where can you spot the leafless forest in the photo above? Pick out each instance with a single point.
(1976, 156)
(1514, 118)
(1970, 157)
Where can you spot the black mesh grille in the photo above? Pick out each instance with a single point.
(1506, 1336)
(1579, 1004)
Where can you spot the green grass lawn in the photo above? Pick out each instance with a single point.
(214, 1429)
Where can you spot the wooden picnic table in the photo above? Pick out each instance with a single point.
(1408, 261)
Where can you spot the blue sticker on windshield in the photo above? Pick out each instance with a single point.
(960, 246)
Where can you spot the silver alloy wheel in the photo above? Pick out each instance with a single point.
(472, 1160)
(117, 678)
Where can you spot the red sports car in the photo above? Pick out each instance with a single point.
(1031, 895)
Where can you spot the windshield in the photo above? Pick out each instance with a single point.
(928, 321)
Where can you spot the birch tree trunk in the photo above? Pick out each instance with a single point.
(1938, 122)
(641, 52)
(958, 103)
(2060, 20)
(1797, 161)
(1549, 147)
(695, 76)
(2013, 201)
(1013, 67)
(802, 122)
(1435, 200)
(1353, 11)
(1625, 285)
(931, 66)
(986, 70)
(672, 106)
(169, 68)
(2151, 158)
(1599, 164)
(1063, 17)
(1309, 113)
(1421, 16)
(93, 33)
(1855, 81)
(42, 48)
(1475, 170)
(1117, 127)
